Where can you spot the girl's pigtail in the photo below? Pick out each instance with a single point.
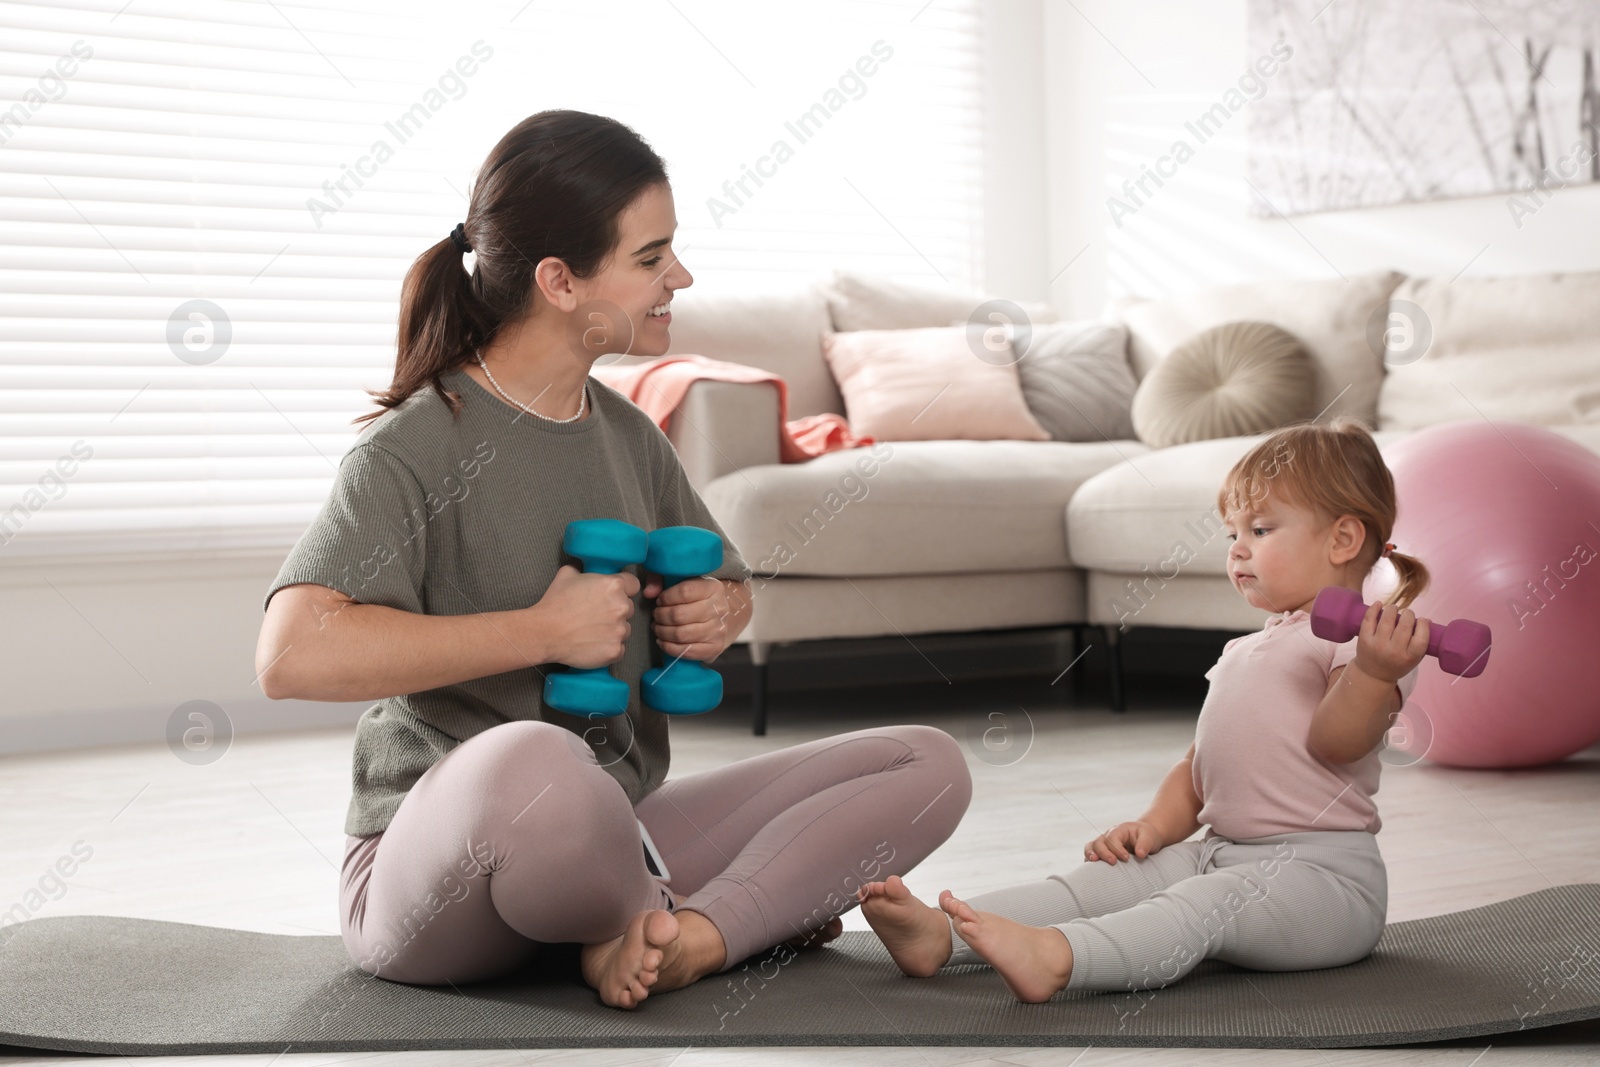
(1413, 579)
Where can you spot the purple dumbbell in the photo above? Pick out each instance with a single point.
(1462, 647)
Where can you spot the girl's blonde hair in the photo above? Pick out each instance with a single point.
(1333, 469)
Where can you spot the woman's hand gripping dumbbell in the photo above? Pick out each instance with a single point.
(591, 612)
(594, 617)
(678, 554)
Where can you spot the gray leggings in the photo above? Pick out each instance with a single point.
(1285, 903)
(518, 837)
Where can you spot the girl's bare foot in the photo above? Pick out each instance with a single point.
(916, 935)
(623, 969)
(1035, 962)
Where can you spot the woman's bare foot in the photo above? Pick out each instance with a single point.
(698, 951)
(623, 969)
(659, 951)
(1035, 962)
(916, 935)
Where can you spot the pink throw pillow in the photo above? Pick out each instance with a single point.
(927, 384)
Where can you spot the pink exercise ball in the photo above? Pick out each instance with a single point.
(1506, 517)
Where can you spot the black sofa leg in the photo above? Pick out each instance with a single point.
(1079, 647)
(758, 688)
(1114, 667)
(1073, 652)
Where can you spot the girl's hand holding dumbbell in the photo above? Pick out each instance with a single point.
(1124, 841)
(691, 616)
(1391, 642)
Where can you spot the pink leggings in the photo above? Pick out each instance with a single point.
(517, 837)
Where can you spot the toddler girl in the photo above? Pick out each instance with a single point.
(1283, 768)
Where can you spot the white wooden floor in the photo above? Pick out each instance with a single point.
(253, 840)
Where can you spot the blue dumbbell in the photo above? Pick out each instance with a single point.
(683, 686)
(605, 546)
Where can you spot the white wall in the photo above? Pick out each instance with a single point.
(1016, 243)
(104, 650)
(1120, 82)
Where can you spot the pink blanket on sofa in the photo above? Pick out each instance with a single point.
(658, 387)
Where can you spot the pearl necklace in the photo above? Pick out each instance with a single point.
(583, 396)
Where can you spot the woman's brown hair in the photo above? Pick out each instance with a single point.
(553, 186)
(1333, 469)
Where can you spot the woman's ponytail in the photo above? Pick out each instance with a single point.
(553, 186)
(439, 326)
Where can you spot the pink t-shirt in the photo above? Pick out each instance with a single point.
(1252, 770)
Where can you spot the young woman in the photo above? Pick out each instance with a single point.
(483, 823)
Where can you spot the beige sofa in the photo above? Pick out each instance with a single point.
(923, 537)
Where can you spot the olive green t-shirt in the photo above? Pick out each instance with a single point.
(446, 515)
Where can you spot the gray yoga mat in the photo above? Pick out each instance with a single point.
(106, 985)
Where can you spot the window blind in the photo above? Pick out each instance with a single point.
(206, 210)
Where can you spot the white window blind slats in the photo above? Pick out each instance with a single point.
(194, 156)
(300, 360)
(36, 453)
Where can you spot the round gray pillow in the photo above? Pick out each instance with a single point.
(1229, 381)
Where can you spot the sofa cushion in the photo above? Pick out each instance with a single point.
(866, 302)
(780, 332)
(1159, 510)
(1329, 316)
(1232, 380)
(910, 507)
(1076, 380)
(1525, 349)
(804, 609)
(926, 385)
